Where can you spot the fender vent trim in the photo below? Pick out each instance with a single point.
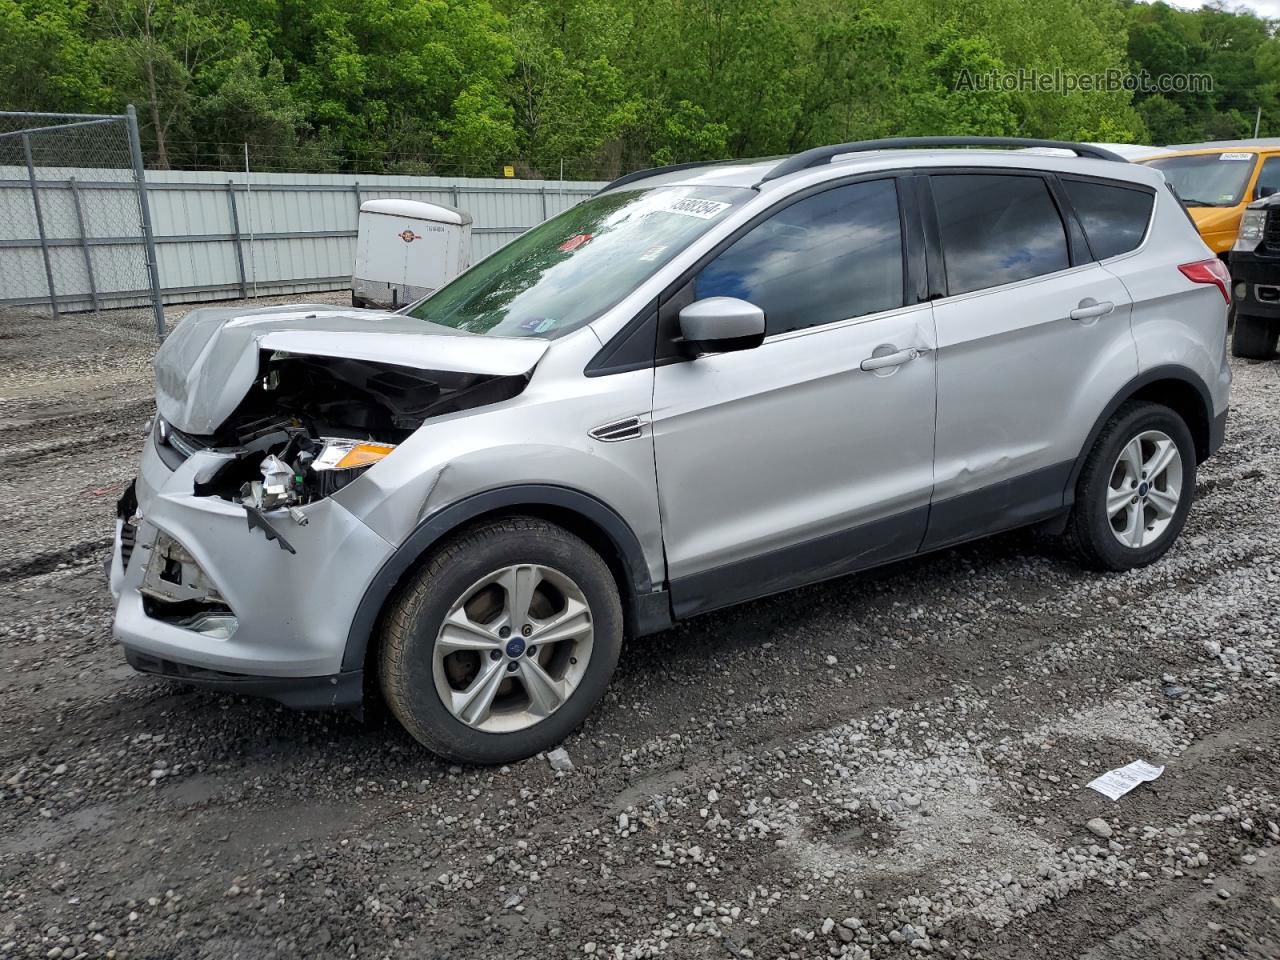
(629, 428)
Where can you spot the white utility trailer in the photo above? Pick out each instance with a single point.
(406, 249)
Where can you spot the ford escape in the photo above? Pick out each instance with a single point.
(705, 384)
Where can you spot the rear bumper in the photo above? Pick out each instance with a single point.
(334, 692)
(1217, 432)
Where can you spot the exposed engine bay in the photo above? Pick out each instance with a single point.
(310, 425)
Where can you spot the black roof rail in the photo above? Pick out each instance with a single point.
(655, 172)
(821, 155)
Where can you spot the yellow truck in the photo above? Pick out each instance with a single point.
(1217, 183)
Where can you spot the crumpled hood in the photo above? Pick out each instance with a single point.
(206, 366)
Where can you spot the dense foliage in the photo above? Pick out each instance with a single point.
(466, 86)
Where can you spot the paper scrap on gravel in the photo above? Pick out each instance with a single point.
(1116, 783)
(559, 758)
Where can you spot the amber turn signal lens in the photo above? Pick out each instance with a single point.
(363, 454)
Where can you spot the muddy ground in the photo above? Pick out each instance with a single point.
(883, 766)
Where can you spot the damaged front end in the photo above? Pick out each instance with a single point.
(310, 425)
(261, 419)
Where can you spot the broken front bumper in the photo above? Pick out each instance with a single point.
(203, 597)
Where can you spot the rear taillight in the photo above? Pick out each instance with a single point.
(1212, 271)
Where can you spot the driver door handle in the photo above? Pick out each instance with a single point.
(1090, 309)
(892, 359)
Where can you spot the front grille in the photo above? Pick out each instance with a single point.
(126, 508)
(1271, 232)
(128, 538)
(145, 663)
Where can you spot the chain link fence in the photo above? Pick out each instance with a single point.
(58, 253)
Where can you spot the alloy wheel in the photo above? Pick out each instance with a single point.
(513, 648)
(1144, 489)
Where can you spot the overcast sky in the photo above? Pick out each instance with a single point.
(1265, 8)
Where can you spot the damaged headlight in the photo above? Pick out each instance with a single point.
(350, 454)
(306, 470)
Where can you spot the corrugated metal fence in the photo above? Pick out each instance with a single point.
(223, 236)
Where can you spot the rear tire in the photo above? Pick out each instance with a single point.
(533, 635)
(1133, 495)
(1254, 338)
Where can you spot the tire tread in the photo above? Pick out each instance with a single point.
(1078, 539)
(1254, 338)
(406, 608)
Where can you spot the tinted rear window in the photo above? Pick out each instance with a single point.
(997, 229)
(1115, 218)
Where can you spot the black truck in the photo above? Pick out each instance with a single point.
(1255, 280)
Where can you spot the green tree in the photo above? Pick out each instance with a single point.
(955, 100)
(157, 50)
(248, 102)
(47, 59)
(569, 97)
(395, 79)
(454, 86)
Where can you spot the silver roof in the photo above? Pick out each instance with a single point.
(749, 174)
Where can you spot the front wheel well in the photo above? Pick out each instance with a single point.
(584, 528)
(625, 560)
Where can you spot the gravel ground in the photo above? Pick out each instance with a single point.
(888, 765)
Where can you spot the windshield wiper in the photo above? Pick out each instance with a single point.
(1193, 202)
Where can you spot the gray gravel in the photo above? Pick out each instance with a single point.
(889, 765)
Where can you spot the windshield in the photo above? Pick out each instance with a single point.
(566, 272)
(1208, 179)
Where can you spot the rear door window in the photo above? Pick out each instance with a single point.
(1115, 218)
(996, 229)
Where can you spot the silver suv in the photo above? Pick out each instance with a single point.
(705, 384)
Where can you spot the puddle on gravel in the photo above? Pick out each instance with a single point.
(36, 837)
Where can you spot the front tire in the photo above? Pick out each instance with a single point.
(502, 642)
(1135, 490)
(1254, 338)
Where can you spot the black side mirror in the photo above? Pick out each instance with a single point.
(1264, 190)
(721, 325)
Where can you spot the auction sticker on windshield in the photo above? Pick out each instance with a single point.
(1235, 156)
(693, 207)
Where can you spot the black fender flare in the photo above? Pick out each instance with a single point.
(444, 521)
(1168, 371)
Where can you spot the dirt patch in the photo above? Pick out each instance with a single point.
(883, 766)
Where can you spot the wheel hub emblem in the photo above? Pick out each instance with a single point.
(515, 647)
(1143, 488)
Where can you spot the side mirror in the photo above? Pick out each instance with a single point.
(721, 325)
(1264, 191)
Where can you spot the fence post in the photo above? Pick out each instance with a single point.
(235, 227)
(84, 242)
(140, 178)
(543, 190)
(356, 188)
(457, 199)
(44, 240)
